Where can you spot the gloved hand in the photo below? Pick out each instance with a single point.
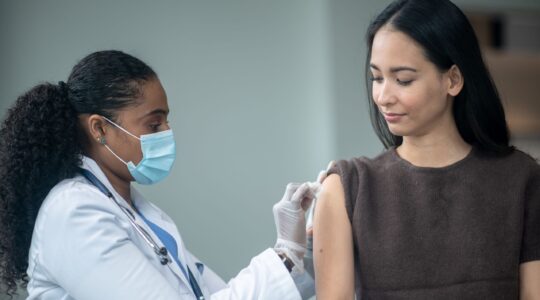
(289, 215)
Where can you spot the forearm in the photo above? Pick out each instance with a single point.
(265, 278)
(530, 280)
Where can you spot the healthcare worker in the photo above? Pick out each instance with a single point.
(69, 153)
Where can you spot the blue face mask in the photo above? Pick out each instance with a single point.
(159, 152)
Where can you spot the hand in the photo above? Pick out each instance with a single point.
(289, 215)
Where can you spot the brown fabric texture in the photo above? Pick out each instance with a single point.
(457, 232)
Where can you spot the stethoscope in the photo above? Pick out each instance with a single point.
(161, 252)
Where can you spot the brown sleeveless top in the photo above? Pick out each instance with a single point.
(457, 232)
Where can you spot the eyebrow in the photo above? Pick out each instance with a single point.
(158, 111)
(395, 69)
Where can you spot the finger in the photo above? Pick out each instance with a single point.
(309, 232)
(314, 187)
(291, 189)
(330, 165)
(306, 203)
(302, 192)
(323, 174)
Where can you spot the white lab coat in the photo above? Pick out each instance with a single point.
(83, 247)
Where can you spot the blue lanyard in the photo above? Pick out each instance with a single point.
(170, 244)
(168, 241)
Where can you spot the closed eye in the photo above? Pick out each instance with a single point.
(404, 82)
(376, 79)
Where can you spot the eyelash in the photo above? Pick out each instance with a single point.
(402, 83)
(376, 79)
(154, 127)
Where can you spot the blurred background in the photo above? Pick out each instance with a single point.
(261, 93)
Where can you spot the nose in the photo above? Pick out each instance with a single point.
(383, 94)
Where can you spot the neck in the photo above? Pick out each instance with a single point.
(437, 149)
(121, 186)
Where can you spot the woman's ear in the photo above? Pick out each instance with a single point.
(456, 81)
(97, 128)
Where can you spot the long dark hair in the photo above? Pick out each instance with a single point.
(447, 38)
(41, 144)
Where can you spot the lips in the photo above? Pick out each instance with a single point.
(392, 117)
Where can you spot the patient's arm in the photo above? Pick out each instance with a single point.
(529, 274)
(332, 244)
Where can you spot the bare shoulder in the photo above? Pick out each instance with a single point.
(332, 188)
(331, 200)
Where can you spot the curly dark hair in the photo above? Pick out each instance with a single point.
(41, 144)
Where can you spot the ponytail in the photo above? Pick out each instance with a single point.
(38, 148)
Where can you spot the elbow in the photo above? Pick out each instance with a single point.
(335, 292)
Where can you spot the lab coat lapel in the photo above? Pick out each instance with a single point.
(197, 268)
(173, 266)
(90, 165)
(151, 213)
(155, 215)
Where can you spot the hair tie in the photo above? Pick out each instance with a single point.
(63, 88)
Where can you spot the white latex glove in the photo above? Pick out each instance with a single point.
(289, 215)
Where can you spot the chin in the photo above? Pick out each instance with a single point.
(398, 130)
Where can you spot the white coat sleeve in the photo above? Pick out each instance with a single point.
(87, 251)
(264, 278)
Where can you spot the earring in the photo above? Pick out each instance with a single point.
(101, 140)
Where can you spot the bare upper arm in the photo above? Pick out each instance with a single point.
(529, 278)
(332, 243)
